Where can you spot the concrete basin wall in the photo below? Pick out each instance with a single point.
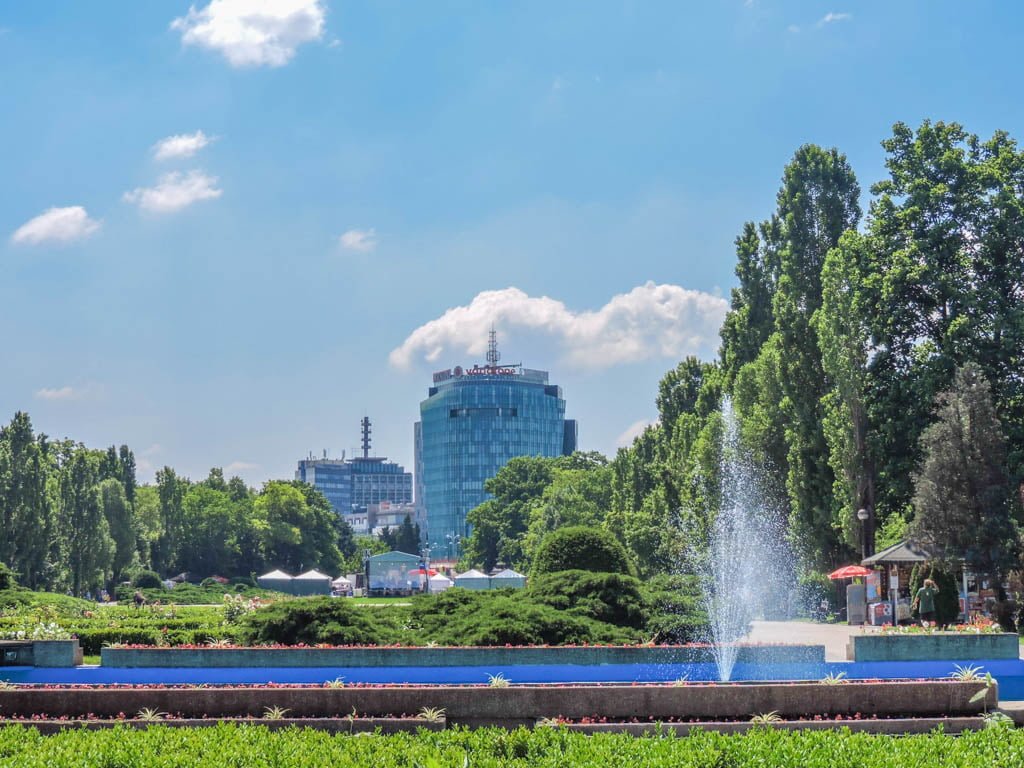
(523, 704)
(449, 657)
(40, 653)
(938, 646)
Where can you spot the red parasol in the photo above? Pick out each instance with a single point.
(849, 572)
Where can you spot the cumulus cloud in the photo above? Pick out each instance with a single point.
(58, 393)
(56, 225)
(174, 191)
(831, 17)
(253, 33)
(362, 240)
(68, 392)
(650, 321)
(239, 466)
(180, 145)
(632, 432)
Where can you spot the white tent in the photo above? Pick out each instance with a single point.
(473, 579)
(311, 583)
(439, 583)
(279, 581)
(508, 578)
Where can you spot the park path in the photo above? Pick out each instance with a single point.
(833, 636)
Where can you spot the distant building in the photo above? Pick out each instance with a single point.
(472, 422)
(353, 485)
(374, 518)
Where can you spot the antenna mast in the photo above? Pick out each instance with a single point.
(493, 356)
(365, 424)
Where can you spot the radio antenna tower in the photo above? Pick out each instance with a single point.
(493, 356)
(365, 424)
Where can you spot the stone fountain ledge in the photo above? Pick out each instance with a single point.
(522, 705)
(371, 656)
(933, 646)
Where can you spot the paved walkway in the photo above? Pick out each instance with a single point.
(833, 636)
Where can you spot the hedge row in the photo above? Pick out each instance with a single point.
(92, 640)
(162, 747)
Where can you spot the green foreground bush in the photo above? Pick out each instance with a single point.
(254, 745)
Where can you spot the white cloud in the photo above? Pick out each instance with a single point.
(239, 466)
(632, 432)
(793, 29)
(253, 33)
(649, 321)
(56, 225)
(180, 145)
(362, 240)
(175, 191)
(68, 392)
(58, 393)
(832, 17)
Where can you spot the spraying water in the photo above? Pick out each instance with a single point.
(741, 573)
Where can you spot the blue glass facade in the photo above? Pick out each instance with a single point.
(356, 483)
(471, 424)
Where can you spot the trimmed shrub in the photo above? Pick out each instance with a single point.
(581, 548)
(505, 617)
(147, 580)
(19, 597)
(676, 612)
(315, 620)
(613, 598)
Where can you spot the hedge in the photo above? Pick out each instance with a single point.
(255, 745)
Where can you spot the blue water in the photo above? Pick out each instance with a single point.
(1009, 673)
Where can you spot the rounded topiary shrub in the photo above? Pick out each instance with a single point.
(580, 548)
(147, 580)
(613, 598)
(314, 620)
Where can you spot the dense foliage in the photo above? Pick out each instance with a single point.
(840, 337)
(318, 620)
(255, 745)
(73, 518)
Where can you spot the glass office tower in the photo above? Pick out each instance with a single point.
(472, 422)
(352, 485)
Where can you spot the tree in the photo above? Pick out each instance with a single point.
(961, 497)
(407, 537)
(817, 203)
(296, 535)
(90, 549)
(121, 524)
(678, 391)
(27, 510)
(844, 339)
(946, 287)
(499, 524)
(172, 491)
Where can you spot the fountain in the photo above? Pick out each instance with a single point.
(742, 571)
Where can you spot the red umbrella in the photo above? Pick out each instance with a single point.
(849, 572)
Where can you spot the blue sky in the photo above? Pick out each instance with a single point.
(340, 175)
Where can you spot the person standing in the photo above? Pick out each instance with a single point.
(925, 601)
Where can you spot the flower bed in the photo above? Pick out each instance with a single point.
(363, 656)
(519, 705)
